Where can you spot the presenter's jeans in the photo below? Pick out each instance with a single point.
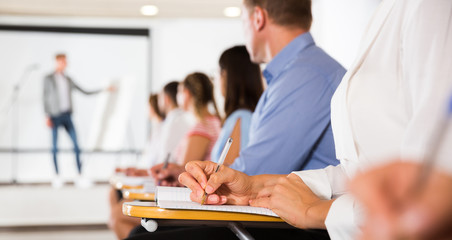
(64, 120)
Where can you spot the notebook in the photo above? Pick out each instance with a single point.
(179, 198)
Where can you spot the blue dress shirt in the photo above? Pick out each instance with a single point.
(290, 128)
(245, 121)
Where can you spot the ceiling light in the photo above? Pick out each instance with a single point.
(149, 10)
(232, 12)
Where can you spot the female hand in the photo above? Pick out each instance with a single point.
(227, 186)
(395, 211)
(292, 200)
(167, 176)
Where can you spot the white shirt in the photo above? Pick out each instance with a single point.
(152, 147)
(62, 84)
(175, 127)
(390, 103)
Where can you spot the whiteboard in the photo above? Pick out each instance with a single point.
(94, 61)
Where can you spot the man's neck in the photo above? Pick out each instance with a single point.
(278, 38)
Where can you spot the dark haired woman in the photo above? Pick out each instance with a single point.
(241, 85)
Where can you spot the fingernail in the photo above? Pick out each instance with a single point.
(213, 198)
(209, 189)
(203, 185)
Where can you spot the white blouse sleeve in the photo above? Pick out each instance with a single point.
(343, 218)
(426, 62)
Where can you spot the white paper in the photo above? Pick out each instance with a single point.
(179, 198)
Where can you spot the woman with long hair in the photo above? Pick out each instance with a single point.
(241, 85)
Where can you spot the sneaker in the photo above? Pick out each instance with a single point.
(57, 183)
(83, 182)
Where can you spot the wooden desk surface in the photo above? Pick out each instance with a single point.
(150, 210)
(138, 194)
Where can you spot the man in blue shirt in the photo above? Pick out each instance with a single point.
(290, 129)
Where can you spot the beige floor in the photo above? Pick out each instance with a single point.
(59, 235)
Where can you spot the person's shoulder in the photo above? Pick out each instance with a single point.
(239, 113)
(317, 62)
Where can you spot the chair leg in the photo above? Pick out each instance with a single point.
(239, 231)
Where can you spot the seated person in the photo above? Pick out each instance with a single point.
(170, 133)
(388, 106)
(150, 153)
(194, 96)
(290, 128)
(173, 130)
(241, 86)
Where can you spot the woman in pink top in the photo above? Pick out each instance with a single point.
(194, 96)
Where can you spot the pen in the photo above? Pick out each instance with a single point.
(165, 165)
(220, 162)
(435, 145)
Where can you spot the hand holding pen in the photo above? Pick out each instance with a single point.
(223, 155)
(166, 173)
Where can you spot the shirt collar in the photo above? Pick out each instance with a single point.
(287, 55)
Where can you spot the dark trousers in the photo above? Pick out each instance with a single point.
(64, 120)
(223, 233)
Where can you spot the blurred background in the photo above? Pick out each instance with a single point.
(136, 45)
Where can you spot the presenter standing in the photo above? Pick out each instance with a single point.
(58, 89)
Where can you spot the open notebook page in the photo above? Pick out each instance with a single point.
(179, 198)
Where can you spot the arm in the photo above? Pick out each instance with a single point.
(294, 202)
(197, 147)
(45, 101)
(230, 129)
(74, 85)
(387, 194)
(234, 150)
(45, 95)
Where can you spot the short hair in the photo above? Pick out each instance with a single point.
(170, 90)
(154, 103)
(244, 85)
(60, 55)
(288, 13)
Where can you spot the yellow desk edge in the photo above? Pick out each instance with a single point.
(131, 195)
(160, 213)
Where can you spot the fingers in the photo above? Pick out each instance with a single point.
(264, 202)
(189, 181)
(265, 192)
(199, 170)
(155, 170)
(223, 176)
